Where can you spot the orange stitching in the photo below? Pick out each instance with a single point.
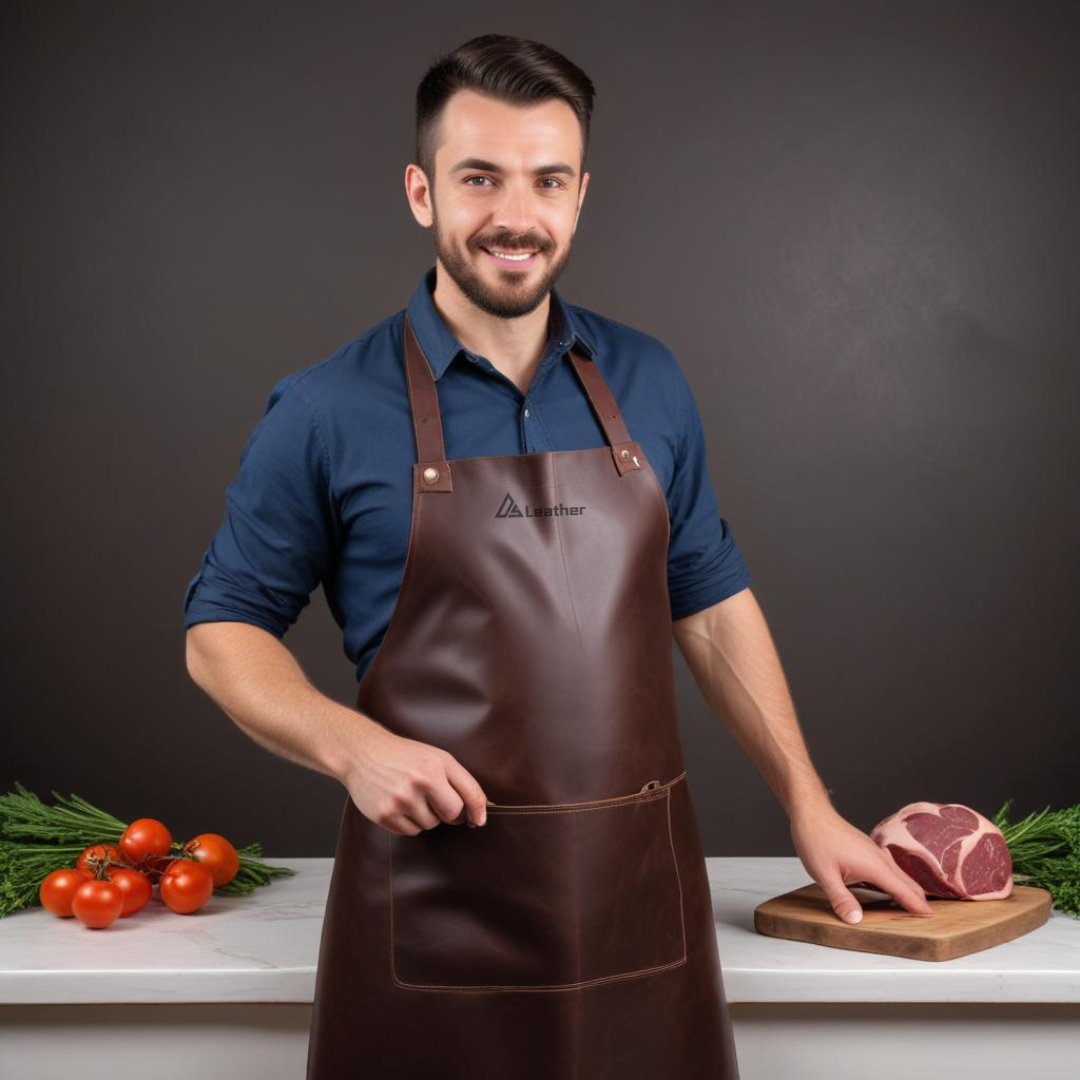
(678, 878)
(548, 808)
(555, 987)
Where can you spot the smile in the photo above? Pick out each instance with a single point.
(520, 258)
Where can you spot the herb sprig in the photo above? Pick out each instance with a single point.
(1045, 850)
(36, 839)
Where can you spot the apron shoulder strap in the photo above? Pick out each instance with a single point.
(623, 449)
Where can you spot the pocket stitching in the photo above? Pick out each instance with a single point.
(663, 792)
(591, 804)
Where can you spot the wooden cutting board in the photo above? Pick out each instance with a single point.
(957, 927)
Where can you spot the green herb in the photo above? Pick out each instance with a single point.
(23, 867)
(36, 839)
(1045, 850)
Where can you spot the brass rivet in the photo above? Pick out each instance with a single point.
(431, 475)
(625, 454)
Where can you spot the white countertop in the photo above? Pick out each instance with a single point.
(264, 947)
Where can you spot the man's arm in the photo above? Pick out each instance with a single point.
(731, 654)
(258, 683)
(401, 784)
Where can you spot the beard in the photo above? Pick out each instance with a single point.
(517, 292)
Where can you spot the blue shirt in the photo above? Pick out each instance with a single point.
(324, 489)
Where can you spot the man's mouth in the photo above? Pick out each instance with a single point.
(511, 258)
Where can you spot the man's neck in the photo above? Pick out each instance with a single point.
(514, 346)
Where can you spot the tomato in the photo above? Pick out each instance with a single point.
(58, 888)
(186, 886)
(217, 855)
(134, 887)
(143, 838)
(95, 853)
(155, 867)
(97, 904)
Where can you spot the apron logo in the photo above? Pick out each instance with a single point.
(510, 509)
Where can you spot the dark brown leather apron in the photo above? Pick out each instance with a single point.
(572, 936)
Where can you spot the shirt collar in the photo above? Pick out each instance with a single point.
(440, 346)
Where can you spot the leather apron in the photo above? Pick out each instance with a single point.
(571, 937)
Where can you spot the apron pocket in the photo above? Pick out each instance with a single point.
(541, 897)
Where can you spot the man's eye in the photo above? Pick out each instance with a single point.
(545, 180)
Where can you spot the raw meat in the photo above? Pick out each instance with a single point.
(951, 850)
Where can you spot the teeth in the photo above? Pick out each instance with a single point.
(507, 255)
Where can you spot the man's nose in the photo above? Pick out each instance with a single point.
(515, 210)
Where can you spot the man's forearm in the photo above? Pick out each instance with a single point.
(734, 661)
(258, 684)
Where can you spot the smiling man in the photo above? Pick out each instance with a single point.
(502, 219)
(506, 499)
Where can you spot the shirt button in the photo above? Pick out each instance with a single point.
(526, 412)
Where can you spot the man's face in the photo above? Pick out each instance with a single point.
(506, 180)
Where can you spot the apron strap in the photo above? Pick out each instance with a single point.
(623, 449)
(427, 419)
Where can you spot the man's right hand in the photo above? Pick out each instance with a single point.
(406, 786)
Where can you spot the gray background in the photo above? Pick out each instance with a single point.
(855, 224)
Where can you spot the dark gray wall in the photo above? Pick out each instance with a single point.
(855, 224)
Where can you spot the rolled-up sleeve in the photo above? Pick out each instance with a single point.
(278, 536)
(705, 564)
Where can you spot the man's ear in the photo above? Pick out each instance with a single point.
(418, 192)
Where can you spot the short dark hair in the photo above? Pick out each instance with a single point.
(511, 69)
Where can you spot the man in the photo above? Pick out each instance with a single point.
(507, 501)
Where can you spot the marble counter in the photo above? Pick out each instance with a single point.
(233, 985)
(264, 947)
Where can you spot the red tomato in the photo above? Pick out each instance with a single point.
(186, 886)
(145, 837)
(135, 888)
(58, 888)
(155, 867)
(217, 855)
(97, 904)
(86, 860)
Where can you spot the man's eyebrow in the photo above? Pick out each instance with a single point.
(490, 166)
